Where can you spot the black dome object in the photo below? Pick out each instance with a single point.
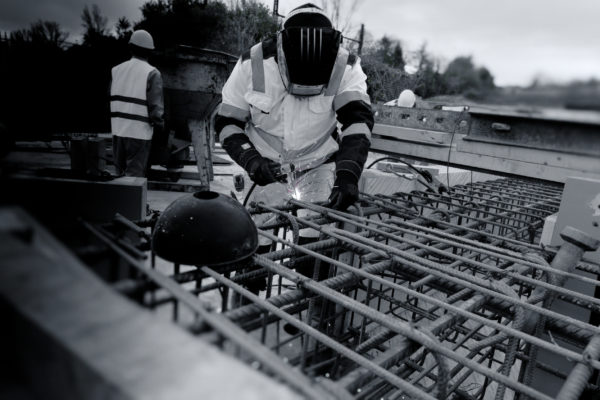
(205, 228)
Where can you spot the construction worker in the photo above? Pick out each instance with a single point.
(280, 113)
(136, 107)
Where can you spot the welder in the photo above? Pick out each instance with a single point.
(296, 116)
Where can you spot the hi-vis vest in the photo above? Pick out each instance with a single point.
(128, 103)
(286, 128)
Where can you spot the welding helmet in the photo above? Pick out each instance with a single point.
(307, 48)
(205, 228)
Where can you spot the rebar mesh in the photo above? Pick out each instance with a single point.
(414, 295)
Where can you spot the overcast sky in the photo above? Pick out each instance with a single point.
(515, 39)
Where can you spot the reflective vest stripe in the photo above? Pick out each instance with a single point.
(276, 143)
(227, 110)
(338, 72)
(128, 99)
(258, 69)
(128, 108)
(356, 129)
(135, 117)
(346, 97)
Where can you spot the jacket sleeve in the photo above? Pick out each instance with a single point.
(354, 113)
(233, 114)
(154, 96)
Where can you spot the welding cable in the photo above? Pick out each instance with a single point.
(385, 320)
(441, 272)
(321, 337)
(249, 193)
(425, 174)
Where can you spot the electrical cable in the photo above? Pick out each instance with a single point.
(462, 113)
(249, 193)
(424, 174)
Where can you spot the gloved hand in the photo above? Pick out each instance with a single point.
(264, 171)
(344, 192)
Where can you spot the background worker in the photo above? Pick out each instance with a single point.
(281, 107)
(136, 107)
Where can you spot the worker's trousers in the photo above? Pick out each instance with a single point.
(130, 155)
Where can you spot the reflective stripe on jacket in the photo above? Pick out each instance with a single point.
(284, 127)
(128, 101)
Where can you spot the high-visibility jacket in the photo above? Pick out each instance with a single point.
(128, 99)
(288, 128)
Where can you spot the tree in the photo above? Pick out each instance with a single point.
(123, 28)
(428, 81)
(211, 25)
(249, 22)
(340, 13)
(41, 33)
(486, 80)
(187, 22)
(94, 23)
(463, 77)
(389, 51)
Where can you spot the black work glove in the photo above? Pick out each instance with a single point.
(264, 171)
(344, 192)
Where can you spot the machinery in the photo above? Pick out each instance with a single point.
(466, 293)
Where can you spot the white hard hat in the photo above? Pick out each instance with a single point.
(142, 39)
(406, 99)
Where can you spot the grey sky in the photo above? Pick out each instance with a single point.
(515, 39)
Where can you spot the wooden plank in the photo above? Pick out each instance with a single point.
(488, 160)
(574, 162)
(77, 338)
(198, 131)
(413, 135)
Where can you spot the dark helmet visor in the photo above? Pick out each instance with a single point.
(310, 54)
